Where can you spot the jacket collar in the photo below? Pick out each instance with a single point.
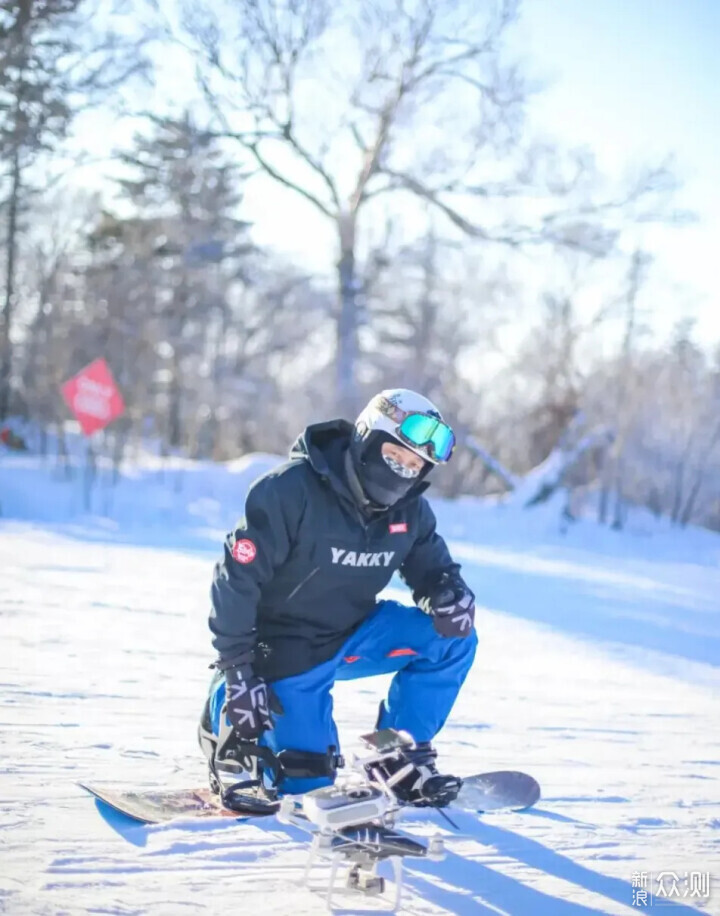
(325, 446)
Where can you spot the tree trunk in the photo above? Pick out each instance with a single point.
(492, 465)
(347, 325)
(689, 508)
(680, 474)
(678, 494)
(603, 507)
(542, 481)
(620, 507)
(11, 253)
(175, 431)
(89, 476)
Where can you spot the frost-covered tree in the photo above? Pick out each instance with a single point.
(53, 62)
(354, 106)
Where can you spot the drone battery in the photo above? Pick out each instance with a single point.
(334, 807)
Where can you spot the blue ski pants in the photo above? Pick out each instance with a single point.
(430, 669)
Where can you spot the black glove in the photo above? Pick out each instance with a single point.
(451, 605)
(247, 703)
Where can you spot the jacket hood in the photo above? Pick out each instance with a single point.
(319, 443)
(323, 446)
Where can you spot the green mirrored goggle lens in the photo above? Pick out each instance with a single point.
(423, 431)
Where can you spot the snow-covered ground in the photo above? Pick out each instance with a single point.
(598, 672)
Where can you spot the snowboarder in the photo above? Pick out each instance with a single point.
(295, 608)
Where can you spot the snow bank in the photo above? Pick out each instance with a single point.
(153, 493)
(180, 502)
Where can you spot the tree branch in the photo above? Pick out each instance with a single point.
(286, 131)
(510, 480)
(410, 183)
(293, 186)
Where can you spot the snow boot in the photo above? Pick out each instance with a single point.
(422, 785)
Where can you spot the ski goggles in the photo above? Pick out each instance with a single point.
(421, 431)
(428, 434)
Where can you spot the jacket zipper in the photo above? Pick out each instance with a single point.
(304, 582)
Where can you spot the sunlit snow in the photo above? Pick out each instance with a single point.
(598, 672)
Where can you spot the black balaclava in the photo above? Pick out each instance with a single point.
(382, 486)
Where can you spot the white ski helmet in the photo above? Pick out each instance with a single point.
(411, 420)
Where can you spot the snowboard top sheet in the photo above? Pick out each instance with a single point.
(158, 806)
(485, 792)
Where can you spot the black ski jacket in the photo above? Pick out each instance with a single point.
(303, 568)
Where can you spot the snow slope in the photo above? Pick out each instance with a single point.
(598, 672)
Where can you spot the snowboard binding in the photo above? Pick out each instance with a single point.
(249, 777)
(410, 771)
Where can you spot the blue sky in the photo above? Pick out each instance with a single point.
(636, 80)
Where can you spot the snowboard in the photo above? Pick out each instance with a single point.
(158, 806)
(494, 791)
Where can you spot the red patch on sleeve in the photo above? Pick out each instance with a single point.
(398, 528)
(244, 551)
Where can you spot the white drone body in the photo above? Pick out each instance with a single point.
(331, 813)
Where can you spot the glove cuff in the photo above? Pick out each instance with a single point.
(242, 660)
(242, 673)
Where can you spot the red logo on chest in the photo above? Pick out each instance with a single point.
(398, 528)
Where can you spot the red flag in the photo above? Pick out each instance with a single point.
(93, 397)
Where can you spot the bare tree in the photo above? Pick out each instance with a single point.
(421, 309)
(53, 62)
(623, 393)
(418, 103)
(47, 275)
(709, 451)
